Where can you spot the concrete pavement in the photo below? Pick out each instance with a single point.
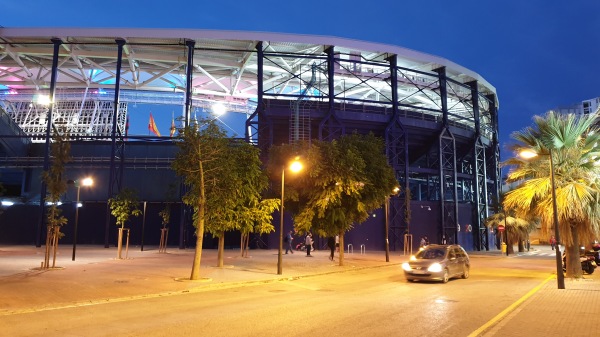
(96, 276)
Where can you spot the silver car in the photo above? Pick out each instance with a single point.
(437, 262)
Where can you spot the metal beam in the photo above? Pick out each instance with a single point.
(57, 43)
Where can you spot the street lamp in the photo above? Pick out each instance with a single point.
(85, 182)
(560, 277)
(295, 166)
(387, 223)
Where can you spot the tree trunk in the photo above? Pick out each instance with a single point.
(200, 230)
(120, 243)
(573, 264)
(54, 246)
(341, 255)
(242, 241)
(521, 246)
(47, 254)
(221, 249)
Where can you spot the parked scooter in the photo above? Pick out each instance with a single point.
(594, 253)
(587, 262)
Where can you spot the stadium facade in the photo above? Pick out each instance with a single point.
(439, 121)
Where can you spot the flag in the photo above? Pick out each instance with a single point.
(152, 126)
(172, 126)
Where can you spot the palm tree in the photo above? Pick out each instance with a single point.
(517, 229)
(573, 142)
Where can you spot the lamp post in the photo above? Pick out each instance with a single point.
(387, 223)
(295, 166)
(85, 182)
(560, 277)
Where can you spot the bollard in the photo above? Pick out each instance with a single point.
(350, 249)
(363, 250)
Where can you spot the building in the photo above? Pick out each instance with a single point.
(585, 107)
(439, 120)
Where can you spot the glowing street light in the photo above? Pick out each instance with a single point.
(560, 277)
(84, 182)
(295, 166)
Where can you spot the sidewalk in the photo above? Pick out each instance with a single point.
(96, 274)
(549, 311)
(97, 277)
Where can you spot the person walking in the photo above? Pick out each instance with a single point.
(337, 243)
(308, 243)
(289, 237)
(552, 242)
(331, 244)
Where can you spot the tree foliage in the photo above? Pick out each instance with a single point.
(235, 201)
(165, 213)
(573, 143)
(343, 181)
(124, 205)
(224, 181)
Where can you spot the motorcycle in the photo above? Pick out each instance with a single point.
(587, 263)
(595, 252)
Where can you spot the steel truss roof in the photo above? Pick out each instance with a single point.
(225, 66)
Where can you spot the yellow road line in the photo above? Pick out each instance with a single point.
(508, 310)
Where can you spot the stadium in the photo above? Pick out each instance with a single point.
(439, 121)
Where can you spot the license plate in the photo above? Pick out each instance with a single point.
(417, 271)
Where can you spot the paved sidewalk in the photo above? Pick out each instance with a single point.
(549, 311)
(97, 276)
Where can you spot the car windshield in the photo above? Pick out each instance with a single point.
(430, 254)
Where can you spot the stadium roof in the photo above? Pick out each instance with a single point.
(225, 63)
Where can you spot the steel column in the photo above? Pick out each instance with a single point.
(54, 73)
(330, 122)
(447, 169)
(396, 141)
(115, 178)
(480, 176)
(188, 80)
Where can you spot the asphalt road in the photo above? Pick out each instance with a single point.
(368, 302)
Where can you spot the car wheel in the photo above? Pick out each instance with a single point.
(446, 276)
(410, 280)
(465, 273)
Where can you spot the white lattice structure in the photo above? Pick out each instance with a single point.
(79, 118)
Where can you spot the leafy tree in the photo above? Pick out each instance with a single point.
(343, 181)
(202, 162)
(573, 142)
(235, 200)
(124, 205)
(60, 150)
(515, 228)
(165, 213)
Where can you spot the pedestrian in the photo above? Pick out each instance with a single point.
(331, 245)
(337, 243)
(422, 242)
(552, 242)
(288, 240)
(308, 243)
(426, 241)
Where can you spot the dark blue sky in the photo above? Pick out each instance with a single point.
(539, 54)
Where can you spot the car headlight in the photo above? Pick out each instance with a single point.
(406, 266)
(435, 268)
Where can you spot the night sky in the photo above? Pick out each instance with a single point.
(539, 54)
